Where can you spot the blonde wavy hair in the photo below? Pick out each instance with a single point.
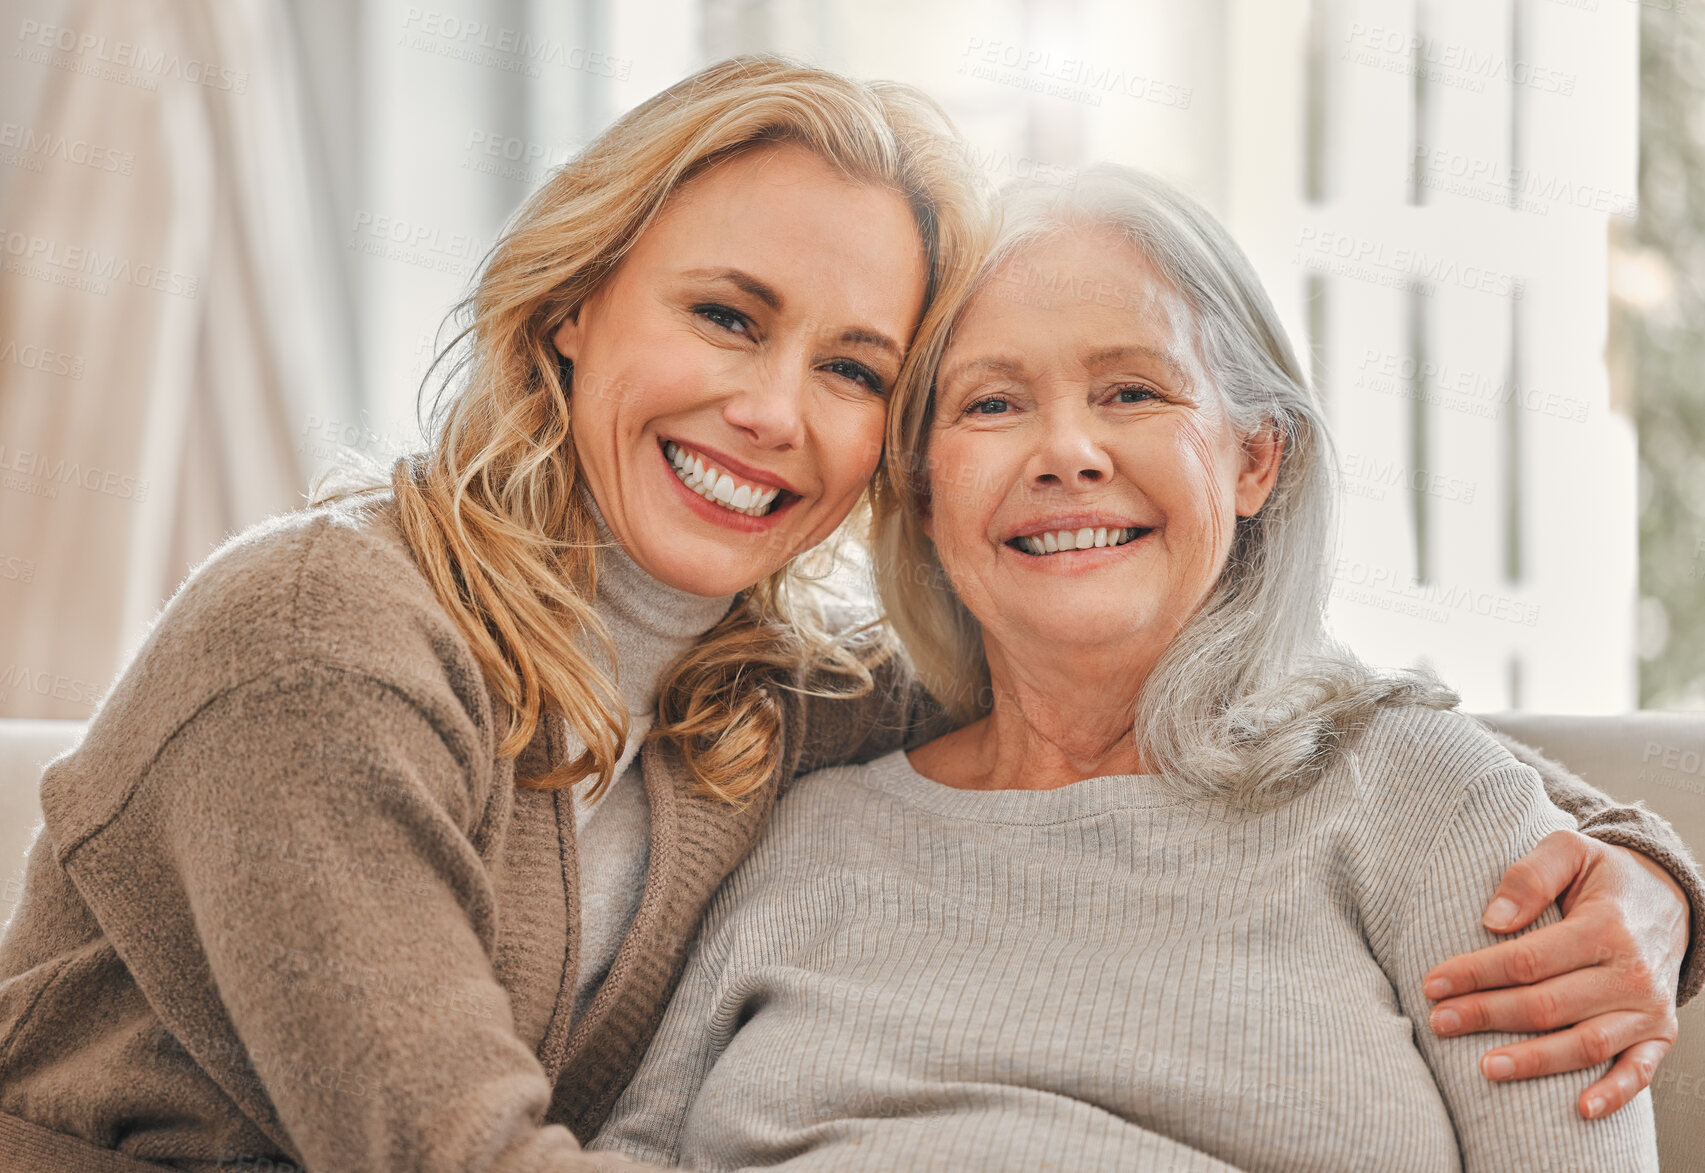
(494, 509)
(1253, 699)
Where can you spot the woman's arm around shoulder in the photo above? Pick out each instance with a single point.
(1606, 982)
(1497, 811)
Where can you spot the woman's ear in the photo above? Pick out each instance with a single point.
(567, 336)
(1262, 452)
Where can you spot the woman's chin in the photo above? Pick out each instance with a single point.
(701, 567)
(1060, 630)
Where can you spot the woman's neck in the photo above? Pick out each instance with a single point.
(1054, 720)
(650, 622)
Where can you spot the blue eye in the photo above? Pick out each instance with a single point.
(989, 406)
(731, 320)
(1135, 393)
(857, 372)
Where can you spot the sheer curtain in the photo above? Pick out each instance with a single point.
(165, 247)
(230, 231)
(302, 190)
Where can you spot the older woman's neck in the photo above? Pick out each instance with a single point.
(1051, 724)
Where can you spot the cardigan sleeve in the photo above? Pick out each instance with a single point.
(293, 884)
(832, 727)
(1637, 829)
(649, 1121)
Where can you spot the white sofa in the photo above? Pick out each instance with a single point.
(25, 747)
(1655, 758)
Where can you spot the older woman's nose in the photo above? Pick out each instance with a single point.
(1070, 455)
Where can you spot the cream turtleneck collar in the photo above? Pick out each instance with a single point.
(650, 623)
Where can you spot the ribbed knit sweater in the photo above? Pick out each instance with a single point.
(1103, 976)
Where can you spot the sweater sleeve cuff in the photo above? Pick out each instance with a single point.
(1684, 871)
(1637, 829)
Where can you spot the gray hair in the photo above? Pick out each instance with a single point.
(1253, 698)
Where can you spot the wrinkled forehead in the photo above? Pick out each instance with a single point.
(1082, 285)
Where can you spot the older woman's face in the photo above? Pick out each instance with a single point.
(1073, 410)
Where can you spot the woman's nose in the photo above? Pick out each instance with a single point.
(1069, 453)
(769, 407)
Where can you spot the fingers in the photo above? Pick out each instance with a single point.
(1631, 1075)
(1555, 949)
(1598, 1040)
(1534, 881)
(1558, 1002)
(1587, 1045)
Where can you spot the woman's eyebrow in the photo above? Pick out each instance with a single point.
(742, 281)
(995, 366)
(1112, 355)
(860, 336)
(748, 284)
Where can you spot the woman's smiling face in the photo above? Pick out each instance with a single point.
(731, 376)
(1073, 409)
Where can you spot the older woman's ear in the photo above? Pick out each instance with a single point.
(1262, 452)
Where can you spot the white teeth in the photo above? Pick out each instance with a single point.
(1083, 539)
(717, 486)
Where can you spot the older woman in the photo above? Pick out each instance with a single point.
(1169, 899)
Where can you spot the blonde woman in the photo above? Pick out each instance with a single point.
(315, 891)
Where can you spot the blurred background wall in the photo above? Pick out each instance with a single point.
(231, 229)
